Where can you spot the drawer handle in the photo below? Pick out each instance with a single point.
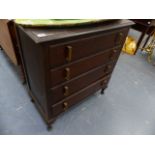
(67, 73)
(66, 91)
(112, 55)
(65, 106)
(69, 53)
(120, 36)
(109, 67)
(114, 51)
(104, 82)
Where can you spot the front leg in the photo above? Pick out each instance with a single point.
(102, 91)
(49, 127)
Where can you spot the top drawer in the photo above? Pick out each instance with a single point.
(71, 51)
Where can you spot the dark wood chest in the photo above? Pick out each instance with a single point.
(64, 66)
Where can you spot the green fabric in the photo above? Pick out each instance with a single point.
(56, 22)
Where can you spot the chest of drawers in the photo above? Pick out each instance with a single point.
(64, 66)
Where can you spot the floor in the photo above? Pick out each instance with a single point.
(127, 107)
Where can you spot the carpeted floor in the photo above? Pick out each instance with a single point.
(127, 107)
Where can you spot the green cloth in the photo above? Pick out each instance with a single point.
(56, 22)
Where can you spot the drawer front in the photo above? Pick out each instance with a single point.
(70, 52)
(75, 69)
(68, 102)
(68, 88)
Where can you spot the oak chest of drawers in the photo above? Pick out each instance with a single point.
(64, 66)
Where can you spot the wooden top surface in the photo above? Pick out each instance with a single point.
(40, 35)
(145, 22)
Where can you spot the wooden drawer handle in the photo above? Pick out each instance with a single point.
(108, 68)
(115, 51)
(104, 82)
(113, 54)
(66, 90)
(120, 37)
(67, 73)
(65, 106)
(69, 53)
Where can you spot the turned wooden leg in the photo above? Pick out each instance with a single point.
(49, 127)
(32, 100)
(49, 124)
(102, 91)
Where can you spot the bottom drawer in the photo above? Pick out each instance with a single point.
(65, 104)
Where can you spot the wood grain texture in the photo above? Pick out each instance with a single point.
(6, 41)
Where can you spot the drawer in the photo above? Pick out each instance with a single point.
(68, 88)
(77, 68)
(75, 98)
(72, 51)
